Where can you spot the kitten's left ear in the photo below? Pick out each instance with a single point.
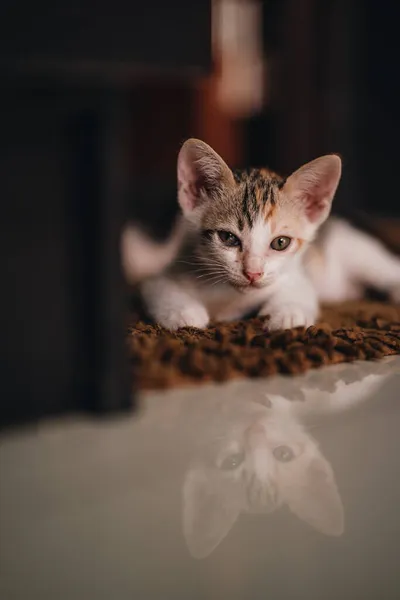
(202, 174)
(315, 184)
(210, 508)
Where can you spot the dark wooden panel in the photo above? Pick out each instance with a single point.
(62, 207)
(162, 34)
(64, 174)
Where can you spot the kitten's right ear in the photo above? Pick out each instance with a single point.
(201, 174)
(209, 511)
(314, 496)
(314, 186)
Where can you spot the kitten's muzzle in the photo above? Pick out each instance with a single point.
(253, 276)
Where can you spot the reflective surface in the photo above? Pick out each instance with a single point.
(281, 488)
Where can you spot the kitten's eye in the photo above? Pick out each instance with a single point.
(229, 239)
(281, 243)
(283, 453)
(232, 462)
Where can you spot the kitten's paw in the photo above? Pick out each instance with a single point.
(288, 316)
(191, 316)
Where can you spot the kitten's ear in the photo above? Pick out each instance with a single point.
(315, 184)
(315, 499)
(201, 174)
(209, 512)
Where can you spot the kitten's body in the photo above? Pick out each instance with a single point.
(226, 265)
(343, 261)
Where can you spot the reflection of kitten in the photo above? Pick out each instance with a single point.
(266, 460)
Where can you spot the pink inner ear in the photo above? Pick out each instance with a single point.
(315, 206)
(315, 184)
(317, 201)
(189, 184)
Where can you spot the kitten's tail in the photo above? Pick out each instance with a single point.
(143, 257)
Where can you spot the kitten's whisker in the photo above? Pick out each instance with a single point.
(208, 259)
(198, 262)
(203, 266)
(207, 268)
(208, 271)
(222, 280)
(210, 266)
(209, 274)
(210, 277)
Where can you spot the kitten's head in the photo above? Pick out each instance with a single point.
(258, 465)
(252, 223)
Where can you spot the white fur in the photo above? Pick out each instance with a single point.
(173, 304)
(346, 260)
(294, 304)
(260, 232)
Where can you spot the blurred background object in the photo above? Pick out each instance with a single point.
(67, 72)
(97, 99)
(290, 80)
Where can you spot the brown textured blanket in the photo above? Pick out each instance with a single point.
(345, 332)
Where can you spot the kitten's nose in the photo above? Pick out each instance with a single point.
(255, 435)
(251, 276)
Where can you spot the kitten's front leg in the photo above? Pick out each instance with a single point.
(293, 304)
(172, 306)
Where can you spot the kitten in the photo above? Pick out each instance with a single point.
(246, 235)
(261, 460)
(244, 243)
